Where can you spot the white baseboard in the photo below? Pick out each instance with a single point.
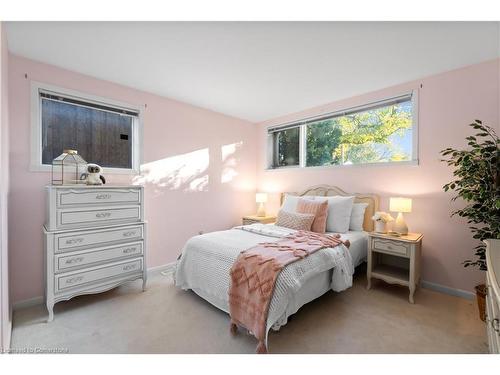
(164, 269)
(28, 303)
(447, 290)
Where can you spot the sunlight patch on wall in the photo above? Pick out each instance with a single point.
(185, 172)
(230, 161)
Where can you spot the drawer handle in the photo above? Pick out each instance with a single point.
(103, 196)
(129, 267)
(74, 260)
(129, 233)
(101, 215)
(74, 280)
(495, 325)
(389, 247)
(73, 241)
(129, 250)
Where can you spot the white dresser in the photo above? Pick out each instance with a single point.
(95, 240)
(493, 295)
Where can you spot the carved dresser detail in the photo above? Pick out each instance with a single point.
(95, 240)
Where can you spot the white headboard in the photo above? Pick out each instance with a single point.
(330, 190)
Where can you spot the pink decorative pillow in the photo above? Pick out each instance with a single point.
(294, 220)
(320, 211)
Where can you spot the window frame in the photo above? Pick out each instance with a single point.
(303, 122)
(36, 126)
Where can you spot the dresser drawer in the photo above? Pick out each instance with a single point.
(81, 217)
(85, 258)
(114, 270)
(97, 196)
(391, 247)
(78, 240)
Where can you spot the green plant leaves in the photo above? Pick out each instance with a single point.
(477, 182)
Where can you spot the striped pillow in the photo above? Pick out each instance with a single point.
(294, 220)
(320, 211)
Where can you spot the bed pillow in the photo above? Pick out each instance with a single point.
(339, 213)
(294, 220)
(290, 203)
(320, 211)
(357, 216)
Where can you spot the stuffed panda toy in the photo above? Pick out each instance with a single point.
(94, 176)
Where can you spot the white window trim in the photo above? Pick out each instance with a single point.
(303, 144)
(36, 128)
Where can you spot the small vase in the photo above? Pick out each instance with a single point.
(380, 227)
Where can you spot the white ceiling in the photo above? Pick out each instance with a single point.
(254, 70)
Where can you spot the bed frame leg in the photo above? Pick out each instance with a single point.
(233, 328)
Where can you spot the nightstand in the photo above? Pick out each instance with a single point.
(252, 219)
(395, 260)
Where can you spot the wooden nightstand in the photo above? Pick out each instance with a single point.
(395, 260)
(252, 219)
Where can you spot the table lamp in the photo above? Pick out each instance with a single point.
(400, 205)
(261, 198)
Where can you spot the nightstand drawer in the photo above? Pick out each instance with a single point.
(248, 220)
(391, 247)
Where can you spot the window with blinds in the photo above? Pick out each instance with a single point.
(381, 132)
(102, 133)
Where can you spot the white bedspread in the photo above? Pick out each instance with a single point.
(207, 259)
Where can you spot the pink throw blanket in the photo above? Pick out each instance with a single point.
(254, 274)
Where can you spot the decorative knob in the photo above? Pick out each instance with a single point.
(74, 280)
(103, 196)
(73, 240)
(129, 267)
(100, 215)
(74, 260)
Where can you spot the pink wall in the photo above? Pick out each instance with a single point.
(185, 194)
(448, 102)
(199, 171)
(5, 319)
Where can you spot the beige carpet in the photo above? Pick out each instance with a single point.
(166, 320)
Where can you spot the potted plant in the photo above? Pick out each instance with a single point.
(477, 182)
(381, 219)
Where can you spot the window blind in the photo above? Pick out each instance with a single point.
(344, 112)
(47, 95)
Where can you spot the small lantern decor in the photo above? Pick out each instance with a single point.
(67, 168)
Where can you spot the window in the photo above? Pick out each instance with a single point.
(381, 132)
(287, 147)
(103, 132)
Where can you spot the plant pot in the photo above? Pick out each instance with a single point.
(380, 227)
(481, 300)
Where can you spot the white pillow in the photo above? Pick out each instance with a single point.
(357, 216)
(290, 203)
(339, 210)
(339, 213)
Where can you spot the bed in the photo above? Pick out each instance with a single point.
(206, 260)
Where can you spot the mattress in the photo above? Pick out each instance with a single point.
(206, 260)
(359, 245)
(318, 285)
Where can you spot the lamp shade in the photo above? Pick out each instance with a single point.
(400, 204)
(261, 197)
